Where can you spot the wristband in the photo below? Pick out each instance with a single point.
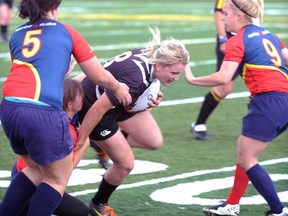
(222, 39)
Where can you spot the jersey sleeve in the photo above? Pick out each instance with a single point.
(282, 45)
(81, 49)
(234, 50)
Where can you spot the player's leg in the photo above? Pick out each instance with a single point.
(49, 193)
(261, 125)
(248, 151)
(143, 131)
(24, 185)
(211, 101)
(101, 155)
(231, 205)
(240, 184)
(122, 156)
(71, 206)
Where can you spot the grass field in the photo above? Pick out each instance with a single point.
(186, 174)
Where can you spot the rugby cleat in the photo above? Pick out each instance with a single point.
(199, 131)
(222, 209)
(101, 210)
(283, 213)
(102, 157)
(103, 160)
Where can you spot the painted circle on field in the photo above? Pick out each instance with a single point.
(82, 176)
(187, 193)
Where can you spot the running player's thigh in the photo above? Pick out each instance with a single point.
(117, 149)
(142, 126)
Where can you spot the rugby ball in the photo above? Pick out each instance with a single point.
(142, 102)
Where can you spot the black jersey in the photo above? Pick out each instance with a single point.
(131, 68)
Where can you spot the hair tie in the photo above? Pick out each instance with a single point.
(241, 9)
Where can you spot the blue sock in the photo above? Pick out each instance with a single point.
(265, 186)
(44, 201)
(18, 193)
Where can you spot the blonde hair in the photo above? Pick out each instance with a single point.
(167, 52)
(250, 8)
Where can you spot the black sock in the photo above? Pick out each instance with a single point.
(71, 206)
(18, 193)
(209, 104)
(104, 192)
(124, 134)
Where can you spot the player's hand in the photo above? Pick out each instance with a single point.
(222, 47)
(123, 95)
(78, 145)
(71, 68)
(188, 74)
(155, 102)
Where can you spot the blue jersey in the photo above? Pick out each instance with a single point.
(259, 53)
(41, 53)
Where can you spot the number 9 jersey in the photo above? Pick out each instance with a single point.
(41, 54)
(261, 63)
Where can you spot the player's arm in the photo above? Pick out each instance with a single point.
(285, 55)
(219, 24)
(71, 68)
(94, 70)
(80, 77)
(79, 153)
(222, 77)
(220, 29)
(92, 118)
(90, 65)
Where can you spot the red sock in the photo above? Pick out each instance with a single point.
(241, 181)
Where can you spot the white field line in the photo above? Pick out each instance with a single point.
(177, 177)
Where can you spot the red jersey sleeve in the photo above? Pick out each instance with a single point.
(234, 50)
(81, 49)
(281, 42)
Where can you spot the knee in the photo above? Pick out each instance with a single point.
(247, 164)
(125, 167)
(155, 143)
(158, 143)
(222, 91)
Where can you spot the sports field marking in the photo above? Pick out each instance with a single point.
(188, 193)
(6, 55)
(163, 17)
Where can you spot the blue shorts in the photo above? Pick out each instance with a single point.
(40, 131)
(267, 116)
(14, 172)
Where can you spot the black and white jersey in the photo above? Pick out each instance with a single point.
(131, 68)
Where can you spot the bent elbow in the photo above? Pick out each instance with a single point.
(225, 81)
